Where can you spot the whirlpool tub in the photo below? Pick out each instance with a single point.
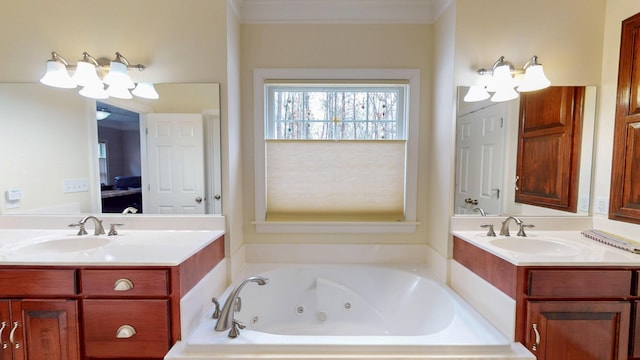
(349, 312)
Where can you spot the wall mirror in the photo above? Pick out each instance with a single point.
(486, 158)
(55, 160)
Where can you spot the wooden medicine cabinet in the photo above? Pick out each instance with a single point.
(625, 170)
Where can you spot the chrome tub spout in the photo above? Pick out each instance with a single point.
(226, 320)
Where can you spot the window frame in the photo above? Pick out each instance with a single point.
(337, 86)
(262, 76)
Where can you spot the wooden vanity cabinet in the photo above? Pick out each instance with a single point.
(565, 313)
(34, 326)
(97, 312)
(126, 312)
(577, 313)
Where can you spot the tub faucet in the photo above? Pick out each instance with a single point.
(226, 320)
(504, 230)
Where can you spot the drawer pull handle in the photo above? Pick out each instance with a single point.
(3, 325)
(125, 332)
(537, 343)
(12, 335)
(123, 285)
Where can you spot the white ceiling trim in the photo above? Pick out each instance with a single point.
(339, 11)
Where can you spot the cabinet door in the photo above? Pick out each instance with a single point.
(578, 330)
(47, 329)
(635, 342)
(5, 328)
(549, 147)
(625, 177)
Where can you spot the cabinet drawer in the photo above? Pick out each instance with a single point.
(123, 282)
(103, 319)
(580, 283)
(37, 282)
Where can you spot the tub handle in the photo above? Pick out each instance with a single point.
(537, 343)
(216, 311)
(235, 329)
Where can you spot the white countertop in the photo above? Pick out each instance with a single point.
(573, 249)
(129, 247)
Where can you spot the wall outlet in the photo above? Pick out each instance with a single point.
(583, 203)
(602, 206)
(75, 185)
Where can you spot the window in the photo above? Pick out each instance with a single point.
(335, 111)
(336, 151)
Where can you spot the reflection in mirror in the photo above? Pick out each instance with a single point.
(50, 149)
(486, 157)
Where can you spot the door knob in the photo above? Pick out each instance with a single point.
(199, 199)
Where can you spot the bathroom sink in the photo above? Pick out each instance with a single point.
(527, 245)
(62, 244)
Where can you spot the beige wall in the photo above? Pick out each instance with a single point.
(37, 157)
(577, 42)
(566, 35)
(441, 156)
(616, 12)
(232, 185)
(179, 42)
(202, 41)
(334, 46)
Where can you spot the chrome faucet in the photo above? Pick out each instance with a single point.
(233, 304)
(98, 229)
(129, 210)
(504, 230)
(480, 210)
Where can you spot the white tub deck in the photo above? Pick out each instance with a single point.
(467, 335)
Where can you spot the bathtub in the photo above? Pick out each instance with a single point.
(349, 312)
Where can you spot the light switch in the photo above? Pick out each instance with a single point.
(75, 185)
(12, 198)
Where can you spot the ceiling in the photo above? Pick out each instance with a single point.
(339, 11)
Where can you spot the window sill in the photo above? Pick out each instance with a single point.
(336, 227)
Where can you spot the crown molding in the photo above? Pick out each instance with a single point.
(236, 5)
(339, 11)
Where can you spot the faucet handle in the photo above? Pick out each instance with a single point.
(81, 231)
(112, 229)
(521, 231)
(235, 328)
(216, 312)
(490, 232)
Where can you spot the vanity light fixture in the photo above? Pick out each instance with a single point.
(94, 74)
(499, 79)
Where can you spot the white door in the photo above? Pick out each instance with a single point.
(174, 180)
(480, 160)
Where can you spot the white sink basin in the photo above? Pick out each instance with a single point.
(63, 244)
(527, 245)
